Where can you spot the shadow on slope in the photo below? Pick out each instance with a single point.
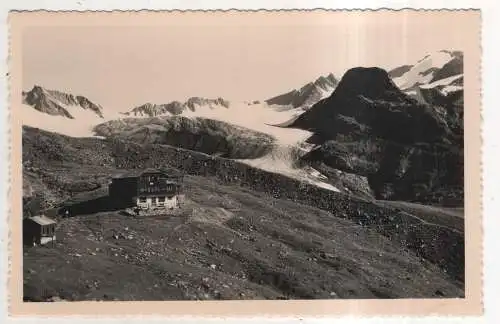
(92, 206)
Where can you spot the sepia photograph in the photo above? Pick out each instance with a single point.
(252, 156)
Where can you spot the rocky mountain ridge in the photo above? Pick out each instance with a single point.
(307, 95)
(176, 107)
(58, 103)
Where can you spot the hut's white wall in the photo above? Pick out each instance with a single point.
(150, 202)
(47, 239)
(171, 202)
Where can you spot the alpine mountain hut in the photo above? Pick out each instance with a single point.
(147, 189)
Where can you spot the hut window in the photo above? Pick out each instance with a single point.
(142, 199)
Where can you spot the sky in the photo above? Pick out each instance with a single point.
(124, 63)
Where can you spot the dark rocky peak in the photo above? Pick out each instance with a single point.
(326, 82)
(148, 109)
(191, 102)
(30, 97)
(370, 82)
(223, 102)
(195, 101)
(37, 90)
(87, 104)
(147, 105)
(330, 77)
(366, 101)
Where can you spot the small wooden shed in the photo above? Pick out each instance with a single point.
(39, 230)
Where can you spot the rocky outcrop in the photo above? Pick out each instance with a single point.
(199, 134)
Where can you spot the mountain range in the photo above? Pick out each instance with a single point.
(383, 129)
(374, 160)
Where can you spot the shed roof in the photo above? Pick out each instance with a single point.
(139, 172)
(42, 220)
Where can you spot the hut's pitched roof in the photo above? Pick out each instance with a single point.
(139, 172)
(42, 220)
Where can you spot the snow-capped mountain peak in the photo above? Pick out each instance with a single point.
(423, 72)
(435, 79)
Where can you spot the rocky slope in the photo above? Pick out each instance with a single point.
(308, 95)
(265, 235)
(369, 127)
(235, 244)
